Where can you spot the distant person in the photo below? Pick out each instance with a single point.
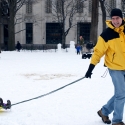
(78, 48)
(89, 47)
(81, 42)
(18, 46)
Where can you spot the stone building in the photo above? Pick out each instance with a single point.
(38, 26)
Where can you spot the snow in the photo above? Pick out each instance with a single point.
(28, 74)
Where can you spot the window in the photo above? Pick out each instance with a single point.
(83, 29)
(48, 6)
(112, 3)
(29, 33)
(29, 7)
(59, 6)
(53, 33)
(5, 37)
(4, 8)
(123, 6)
(79, 6)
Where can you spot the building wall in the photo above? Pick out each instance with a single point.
(40, 18)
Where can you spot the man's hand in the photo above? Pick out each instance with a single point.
(89, 72)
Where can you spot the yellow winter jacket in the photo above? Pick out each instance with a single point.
(111, 43)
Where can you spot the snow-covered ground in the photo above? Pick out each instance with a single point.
(25, 75)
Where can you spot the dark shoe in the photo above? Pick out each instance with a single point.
(121, 123)
(105, 119)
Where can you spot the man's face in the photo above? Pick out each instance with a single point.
(80, 37)
(116, 21)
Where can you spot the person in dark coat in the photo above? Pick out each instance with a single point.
(81, 42)
(18, 46)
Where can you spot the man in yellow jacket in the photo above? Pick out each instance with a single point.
(111, 43)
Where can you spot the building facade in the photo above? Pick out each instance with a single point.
(36, 23)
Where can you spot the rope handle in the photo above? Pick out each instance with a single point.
(48, 92)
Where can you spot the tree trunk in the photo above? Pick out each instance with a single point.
(63, 35)
(11, 31)
(63, 41)
(103, 13)
(94, 21)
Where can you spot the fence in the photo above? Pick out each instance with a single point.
(31, 47)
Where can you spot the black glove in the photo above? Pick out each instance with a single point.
(89, 72)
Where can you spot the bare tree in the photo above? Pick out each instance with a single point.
(94, 21)
(64, 11)
(3, 10)
(9, 9)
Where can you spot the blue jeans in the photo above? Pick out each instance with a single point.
(116, 103)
